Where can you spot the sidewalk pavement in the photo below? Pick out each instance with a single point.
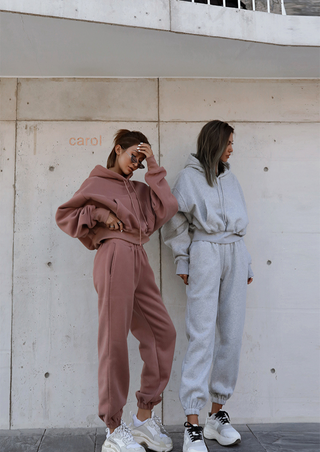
(255, 438)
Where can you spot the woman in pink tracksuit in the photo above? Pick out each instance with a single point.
(116, 216)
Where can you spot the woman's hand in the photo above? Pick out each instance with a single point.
(185, 279)
(250, 280)
(145, 149)
(113, 222)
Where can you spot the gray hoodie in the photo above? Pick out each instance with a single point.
(216, 214)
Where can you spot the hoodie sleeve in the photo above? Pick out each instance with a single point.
(163, 203)
(75, 218)
(78, 216)
(250, 272)
(176, 235)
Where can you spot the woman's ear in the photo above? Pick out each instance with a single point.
(118, 149)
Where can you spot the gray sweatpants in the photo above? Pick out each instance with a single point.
(218, 275)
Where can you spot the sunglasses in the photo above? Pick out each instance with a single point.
(135, 160)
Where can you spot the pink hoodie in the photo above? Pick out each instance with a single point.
(142, 208)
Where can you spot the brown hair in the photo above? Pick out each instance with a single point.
(212, 142)
(125, 138)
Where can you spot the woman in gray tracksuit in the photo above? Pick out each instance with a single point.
(206, 237)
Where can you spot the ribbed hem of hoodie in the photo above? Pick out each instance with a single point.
(216, 237)
(107, 234)
(182, 267)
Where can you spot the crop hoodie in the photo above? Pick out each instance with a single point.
(141, 208)
(216, 214)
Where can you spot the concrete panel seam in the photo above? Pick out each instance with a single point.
(164, 122)
(41, 439)
(12, 270)
(86, 120)
(95, 440)
(178, 121)
(256, 438)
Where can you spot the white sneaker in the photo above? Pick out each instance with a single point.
(151, 433)
(218, 427)
(193, 439)
(121, 440)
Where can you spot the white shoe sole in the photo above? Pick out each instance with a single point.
(187, 449)
(113, 448)
(109, 448)
(213, 434)
(144, 440)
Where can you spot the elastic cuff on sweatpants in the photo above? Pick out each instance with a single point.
(217, 398)
(149, 405)
(189, 411)
(112, 422)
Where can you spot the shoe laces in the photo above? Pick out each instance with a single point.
(195, 431)
(157, 421)
(124, 432)
(223, 417)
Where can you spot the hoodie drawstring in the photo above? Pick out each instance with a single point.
(125, 183)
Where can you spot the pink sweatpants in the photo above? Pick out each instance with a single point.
(129, 299)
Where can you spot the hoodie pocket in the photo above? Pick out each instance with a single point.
(112, 260)
(250, 272)
(104, 264)
(248, 256)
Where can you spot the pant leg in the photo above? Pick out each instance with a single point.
(230, 321)
(153, 328)
(114, 276)
(202, 303)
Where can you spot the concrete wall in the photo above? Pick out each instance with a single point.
(48, 365)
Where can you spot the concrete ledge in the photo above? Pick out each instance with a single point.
(181, 17)
(135, 13)
(256, 26)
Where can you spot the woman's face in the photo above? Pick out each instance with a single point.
(124, 164)
(228, 151)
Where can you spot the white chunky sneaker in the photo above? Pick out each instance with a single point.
(121, 440)
(151, 434)
(193, 439)
(218, 427)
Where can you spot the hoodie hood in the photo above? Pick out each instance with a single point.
(193, 162)
(101, 171)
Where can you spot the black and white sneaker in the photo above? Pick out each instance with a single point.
(193, 439)
(218, 427)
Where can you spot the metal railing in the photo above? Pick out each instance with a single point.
(253, 4)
